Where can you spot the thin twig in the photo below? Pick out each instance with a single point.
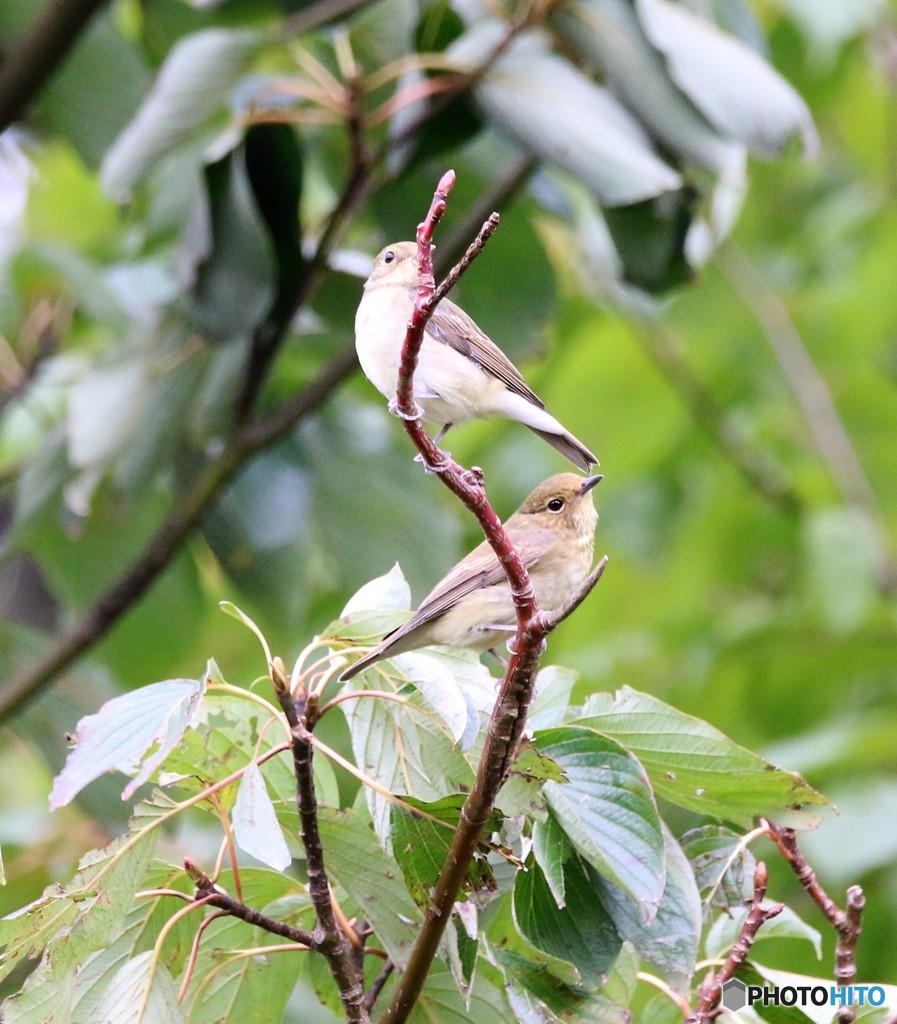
(377, 984)
(847, 923)
(215, 897)
(757, 916)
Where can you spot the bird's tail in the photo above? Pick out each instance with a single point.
(570, 448)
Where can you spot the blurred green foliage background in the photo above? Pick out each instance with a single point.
(745, 411)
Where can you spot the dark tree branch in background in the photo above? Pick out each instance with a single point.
(847, 923)
(757, 916)
(814, 397)
(27, 65)
(509, 714)
(756, 466)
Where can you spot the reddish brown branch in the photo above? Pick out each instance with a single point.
(847, 923)
(509, 714)
(757, 916)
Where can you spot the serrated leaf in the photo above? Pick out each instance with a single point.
(123, 731)
(256, 828)
(581, 933)
(193, 84)
(371, 879)
(554, 111)
(697, 767)
(74, 920)
(607, 811)
(739, 93)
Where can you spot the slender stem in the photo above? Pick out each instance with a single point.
(757, 916)
(847, 923)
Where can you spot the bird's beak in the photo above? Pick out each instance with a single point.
(590, 482)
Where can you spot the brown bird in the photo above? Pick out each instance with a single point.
(553, 531)
(461, 374)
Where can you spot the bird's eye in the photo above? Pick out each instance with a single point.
(389, 257)
(556, 504)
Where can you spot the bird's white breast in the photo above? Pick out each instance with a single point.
(450, 387)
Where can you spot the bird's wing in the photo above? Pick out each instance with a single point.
(478, 570)
(452, 326)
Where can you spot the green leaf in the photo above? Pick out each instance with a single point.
(441, 1001)
(607, 811)
(252, 986)
(695, 766)
(105, 63)
(538, 997)
(721, 864)
(581, 933)
(670, 941)
(554, 684)
(142, 992)
(193, 84)
(74, 920)
(650, 239)
(609, 33)
(372, 880)
(739, 93)
(552, 850)
(274, 164)
(555, 112)
(405, 750)
(124, 730)
(422, 846)
(228, 245)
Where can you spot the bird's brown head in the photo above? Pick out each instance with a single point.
(396, 264)
(562, 503)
